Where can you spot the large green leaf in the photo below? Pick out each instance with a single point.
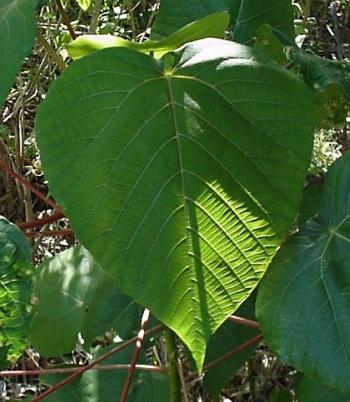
(182, 178)
(75, 295)
(16, 281)
(175, 14)
(304, 301)
(17, 38)
(312, 391)
(106, 386)
(253, 13)
(213, 26)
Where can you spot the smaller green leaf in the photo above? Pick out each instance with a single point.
(16, 282)
(303, 302)
(311, 391)
(76, 295)
(267, 42)
(17, 33)
(330, 82)
(110, 309)
(213, 25)
(84, 4)
(175, 14)
(253, 13)
(320, 73)
(228, 337)
(280, 395)
(310, 203)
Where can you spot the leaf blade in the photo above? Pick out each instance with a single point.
(17, 31)
(173, 188)
(314, 262)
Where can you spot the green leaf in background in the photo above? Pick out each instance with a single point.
(84, 4)
(310, 203)
(110, 309)
(303, 302)
(16, 282)
(213, 25)
(17, 32)
(320, 73)
(311, 391)
(175, 14)
(75, 295)
(228, 337)
(330, 81)
(152, 177)
(268, 42)
(106, 386)
(253, 13)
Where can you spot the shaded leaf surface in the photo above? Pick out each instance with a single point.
(76, 295)
(320, 73)
(304, 301)
(228, 337)
(153, 183)
(312, 391)
(110, 309)
(16, 282)
(253, 13)
(17, 38)
(310, 203)
(175, 14)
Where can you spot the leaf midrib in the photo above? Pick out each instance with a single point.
(172, 104)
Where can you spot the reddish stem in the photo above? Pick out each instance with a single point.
(244, 321)
(82, 370)
(68, 370)
(233, 352)
(49, 233)
(36, 223)
(26, 183)
(135, 356)
(66, 20)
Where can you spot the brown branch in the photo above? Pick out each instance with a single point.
(66, 20)
(26, 183)
(89, 366)
(135, 356)
(69, 370)
(244, 321)
(49, 233)
(233, 352)
(36, 223)
(56, 57)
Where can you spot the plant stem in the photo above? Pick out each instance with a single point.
(233, 352)
(69, 370)
(135, 356)
(174, 379)
(244, 321)
(57, 58)
(66, 19)
(49, 233)
(95, 15)
(89, 366)
(36, 223)
(25, 183)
